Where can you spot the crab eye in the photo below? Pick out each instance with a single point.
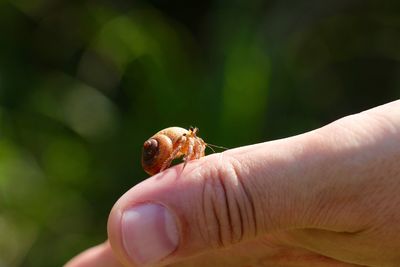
(191, 128)
(150, 149)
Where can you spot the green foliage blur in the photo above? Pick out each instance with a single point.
(84, 83)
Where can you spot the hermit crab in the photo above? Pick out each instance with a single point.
(162, 148)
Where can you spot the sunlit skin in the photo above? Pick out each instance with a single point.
(326, 198)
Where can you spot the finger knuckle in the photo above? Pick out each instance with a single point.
(228, 206)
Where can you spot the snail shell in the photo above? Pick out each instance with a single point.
(158, 148)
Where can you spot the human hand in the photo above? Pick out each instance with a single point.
(329, 197)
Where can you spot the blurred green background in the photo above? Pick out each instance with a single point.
(84, 83)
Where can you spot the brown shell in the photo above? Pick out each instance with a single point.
(158, 148)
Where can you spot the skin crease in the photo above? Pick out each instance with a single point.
(326, 198)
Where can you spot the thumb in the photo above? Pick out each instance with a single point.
(324, 179)
(213, 203)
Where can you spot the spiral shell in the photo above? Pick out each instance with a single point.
(158, 148)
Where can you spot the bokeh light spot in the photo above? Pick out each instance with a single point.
(89, 113)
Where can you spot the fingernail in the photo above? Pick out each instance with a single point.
(149, 233)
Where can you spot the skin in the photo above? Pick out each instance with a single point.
(329, 197)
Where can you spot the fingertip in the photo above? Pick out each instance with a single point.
(98, 256)
(142, 231)
(146, 224)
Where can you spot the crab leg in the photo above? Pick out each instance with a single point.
(189, 152)
(181, 141)
(196, 150)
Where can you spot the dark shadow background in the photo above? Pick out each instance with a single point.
(84, 83)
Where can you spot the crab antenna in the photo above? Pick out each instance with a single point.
(210, 148)
(215, 146)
